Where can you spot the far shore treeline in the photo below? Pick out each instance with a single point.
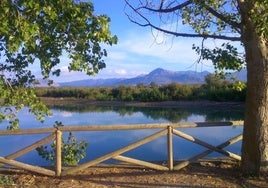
(214, 89)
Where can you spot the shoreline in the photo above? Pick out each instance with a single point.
(162, 104)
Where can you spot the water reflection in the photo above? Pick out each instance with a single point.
(173, 115)
(103, 142)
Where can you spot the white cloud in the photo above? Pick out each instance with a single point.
(170, 51)
(143, 49)
(121, 72)
(66, 114)
(139, 53)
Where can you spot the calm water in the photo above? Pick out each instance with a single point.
(103, 142)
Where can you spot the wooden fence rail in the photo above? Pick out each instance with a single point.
(168, 129)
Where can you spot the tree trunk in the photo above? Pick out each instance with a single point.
(255, 134)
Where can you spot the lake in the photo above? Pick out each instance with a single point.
(103, 142)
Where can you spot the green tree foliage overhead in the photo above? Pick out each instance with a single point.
(40, 32)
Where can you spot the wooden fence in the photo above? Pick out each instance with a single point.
(166, 129)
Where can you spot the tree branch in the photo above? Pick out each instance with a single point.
(206, 36)
(235, 25)
(168, 10)
(177, 34)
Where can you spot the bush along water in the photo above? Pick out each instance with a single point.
(215, 88)
(72, 151)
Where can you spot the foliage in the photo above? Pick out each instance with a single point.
(215, 88)
(224, 58)
(259, 15)
(71, 151)
(6, 181)
(239, 86)
(39, 32)
(15, 100)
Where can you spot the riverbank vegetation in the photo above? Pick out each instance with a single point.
(214, 89)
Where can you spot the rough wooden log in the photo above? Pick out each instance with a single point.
(58, 152)
(27, 131)
(149, 126)
(28, 167)
(170, 148)
(121, 127)
(140, 162)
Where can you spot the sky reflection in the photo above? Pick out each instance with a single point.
(103, 142)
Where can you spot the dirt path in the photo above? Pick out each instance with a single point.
(205, 174)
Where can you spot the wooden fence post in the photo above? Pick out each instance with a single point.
(170, 148)
(58, 152)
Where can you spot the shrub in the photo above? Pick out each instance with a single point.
(6, 181)
(71, 152)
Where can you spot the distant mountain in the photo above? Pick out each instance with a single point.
(93, 83)
(161, 77)
(241, 75)
(158, 76)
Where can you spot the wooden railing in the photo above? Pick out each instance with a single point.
(168, 129)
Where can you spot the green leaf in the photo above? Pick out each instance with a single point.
(40, 32)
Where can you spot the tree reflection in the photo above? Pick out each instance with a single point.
(173, 115)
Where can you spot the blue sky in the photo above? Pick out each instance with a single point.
(137, 51)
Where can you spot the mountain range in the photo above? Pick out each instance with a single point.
(158, 76)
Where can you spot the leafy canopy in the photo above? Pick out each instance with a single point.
(41, 32)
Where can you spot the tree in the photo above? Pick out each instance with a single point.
(215, 81)
(230, 20)
(39, 32)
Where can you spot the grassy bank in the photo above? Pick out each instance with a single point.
(74, 102)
